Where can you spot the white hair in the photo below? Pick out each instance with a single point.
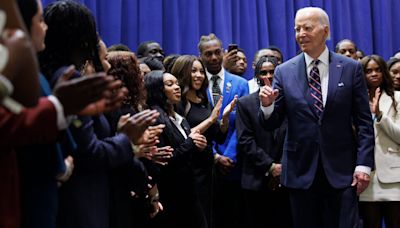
(323, 16)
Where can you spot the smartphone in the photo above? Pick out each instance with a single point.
(232, 47)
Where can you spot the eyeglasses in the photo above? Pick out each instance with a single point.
(266, 72)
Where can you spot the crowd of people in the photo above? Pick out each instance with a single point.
(107, 137)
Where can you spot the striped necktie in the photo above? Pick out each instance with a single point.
(315, 88)
(216, 91)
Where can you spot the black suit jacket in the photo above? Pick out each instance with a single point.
(255, 144)
(176, 182)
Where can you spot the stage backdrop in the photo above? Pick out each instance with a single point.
(253, 24)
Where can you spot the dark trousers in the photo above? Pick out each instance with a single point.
(372, 214)
(267, 209)
(228, 203)
(323, 206)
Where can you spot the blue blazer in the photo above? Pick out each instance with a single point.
(233, 85)
(330, 138)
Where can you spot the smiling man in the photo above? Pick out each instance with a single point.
(323, 95)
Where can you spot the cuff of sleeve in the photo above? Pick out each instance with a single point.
(267, 111)
(270, 169)
(364, 169)
(61, 120)
(6, 85)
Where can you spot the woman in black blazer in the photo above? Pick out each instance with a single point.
(176, 178)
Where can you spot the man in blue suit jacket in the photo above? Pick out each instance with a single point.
(231, 86)
(324, 164)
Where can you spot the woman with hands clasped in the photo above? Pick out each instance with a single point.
(195, 107)
(176, 179)
(381, 200)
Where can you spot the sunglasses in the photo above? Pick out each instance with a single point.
(266, 72)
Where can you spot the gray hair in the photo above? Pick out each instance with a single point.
(323, 16)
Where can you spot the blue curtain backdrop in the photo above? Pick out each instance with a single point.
(253, 24)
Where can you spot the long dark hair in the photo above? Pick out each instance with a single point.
(387, 81)
(154, 83)
(71, 37)
(28, 9)
(182, 70)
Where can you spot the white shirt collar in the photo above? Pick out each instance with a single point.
(177, 121)
(324, 58)
(221, 74)
(177, 118)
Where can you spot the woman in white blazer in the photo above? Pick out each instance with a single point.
(381, 200)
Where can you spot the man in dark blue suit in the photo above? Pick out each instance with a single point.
(323, 95)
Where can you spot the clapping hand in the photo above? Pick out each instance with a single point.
(229, 108)
(199, 140)
(135, 126)
(162, 155)
(375, 102)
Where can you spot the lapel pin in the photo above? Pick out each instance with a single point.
(228, 87)
(338, 65)
(340, 84)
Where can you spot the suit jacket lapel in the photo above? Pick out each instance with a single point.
(385, 103)
(300, 72)
(226, 91)
(335, 74)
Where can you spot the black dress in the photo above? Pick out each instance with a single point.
(203, 162)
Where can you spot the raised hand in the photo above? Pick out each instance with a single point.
(267, 94)
(375, 102)
(136, 125)
(230, 59)
(217, 109)
(229, 108)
